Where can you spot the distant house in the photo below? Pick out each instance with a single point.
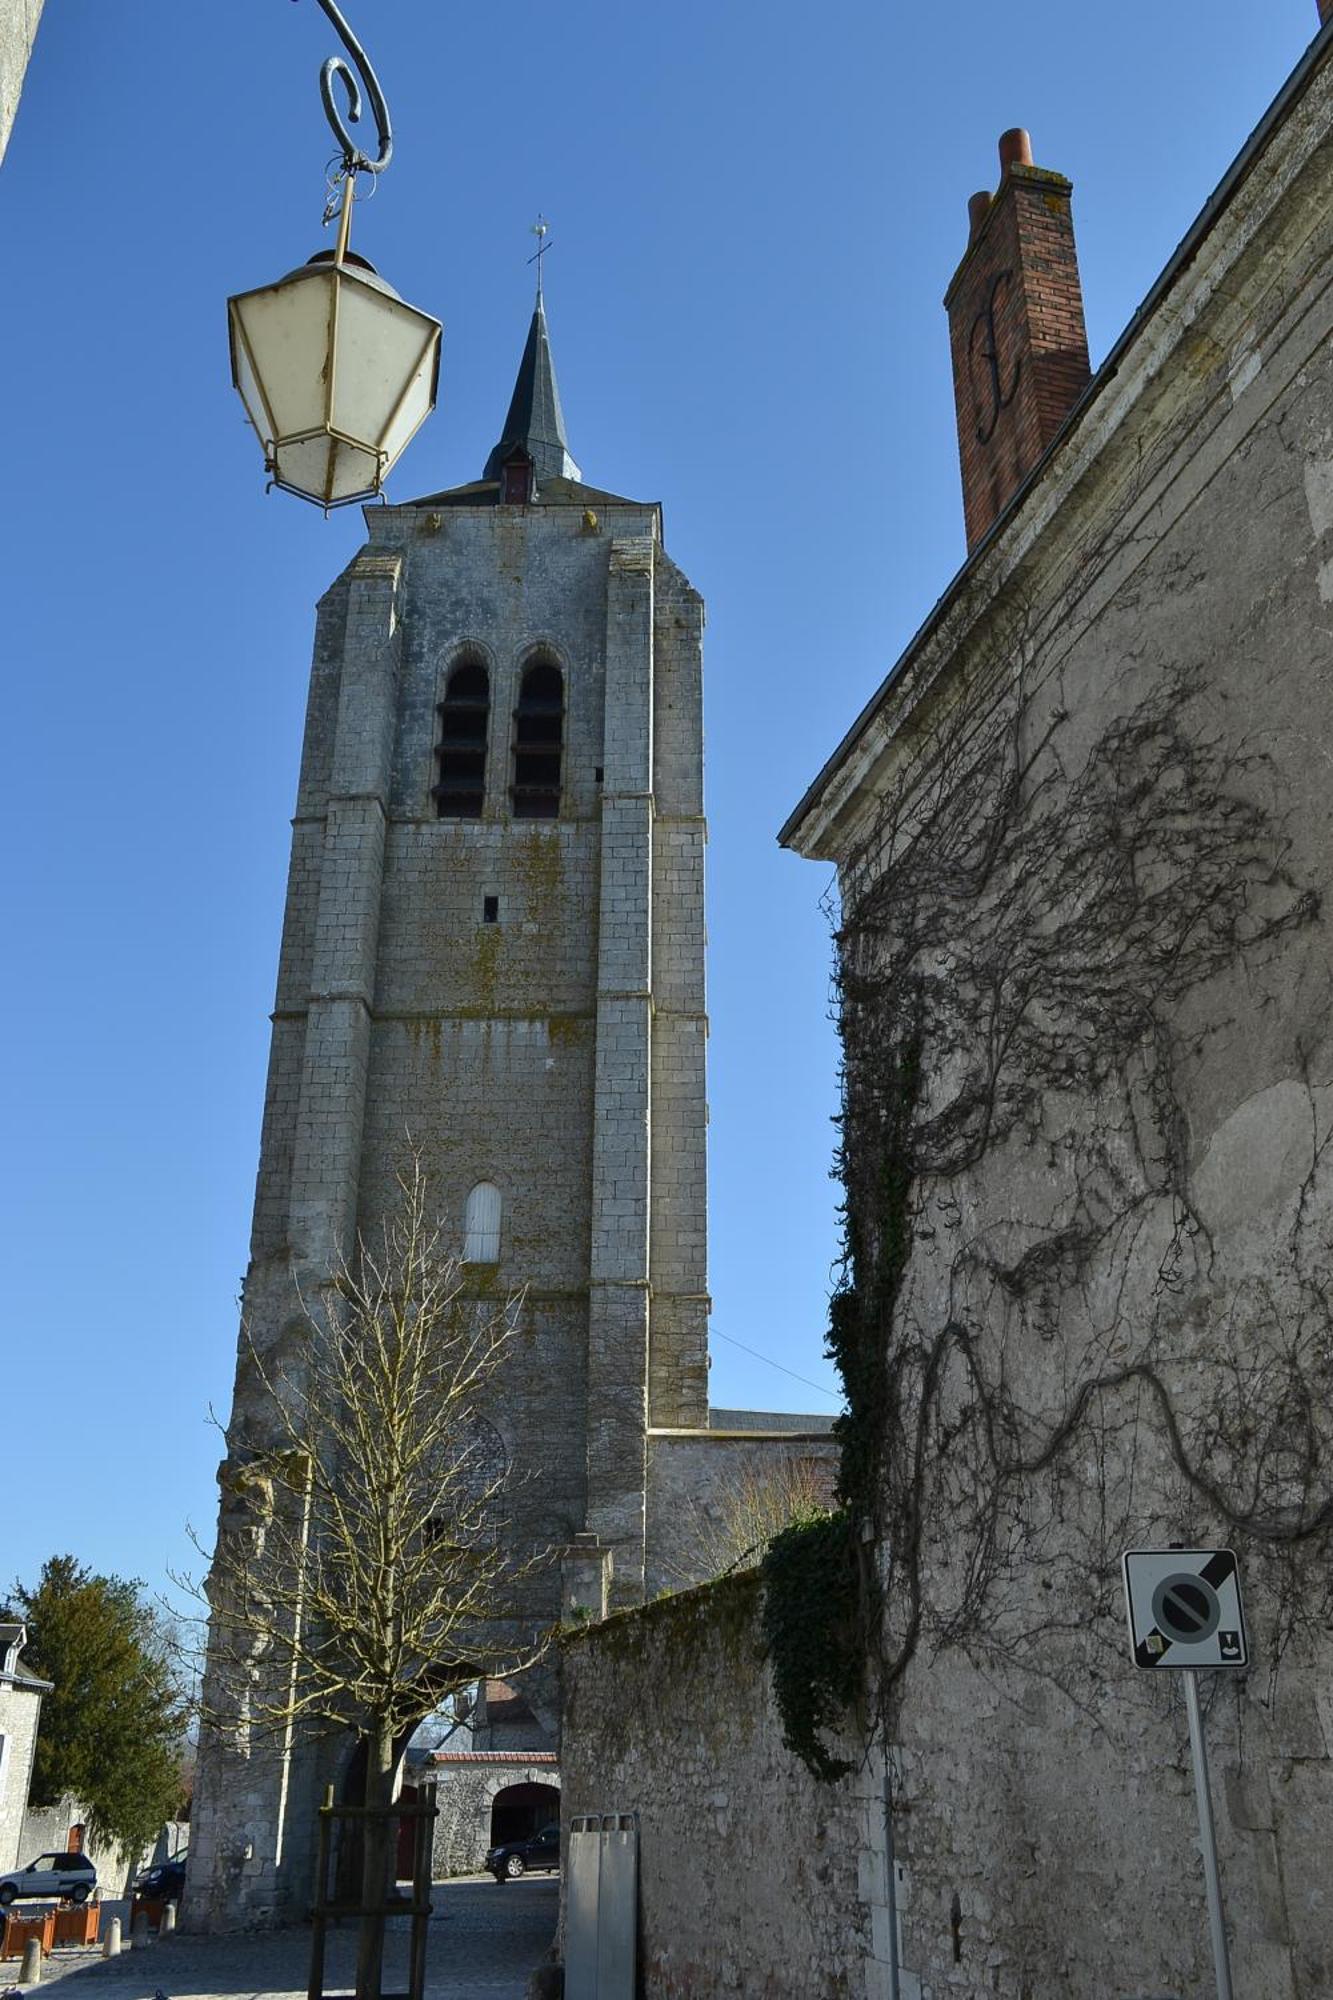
(20, 1705)
(503, 1786)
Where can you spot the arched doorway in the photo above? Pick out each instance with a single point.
(520, 1810)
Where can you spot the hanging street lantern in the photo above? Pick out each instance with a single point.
(337, 373)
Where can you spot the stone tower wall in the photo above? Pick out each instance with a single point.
(556, 1051)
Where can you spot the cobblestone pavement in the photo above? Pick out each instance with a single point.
(484, 1942)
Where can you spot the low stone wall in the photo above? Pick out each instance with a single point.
(752, 1876)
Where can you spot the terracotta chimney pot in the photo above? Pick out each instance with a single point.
(1016, 145)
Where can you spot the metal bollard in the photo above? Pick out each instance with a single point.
(139, 1930)
(32, 1963)
(111, 1942)
(168, 1923)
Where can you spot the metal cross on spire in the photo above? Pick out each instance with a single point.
(540, 230)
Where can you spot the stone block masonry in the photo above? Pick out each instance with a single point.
(756, 1880)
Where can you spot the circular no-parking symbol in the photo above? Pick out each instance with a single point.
(1185, 1608)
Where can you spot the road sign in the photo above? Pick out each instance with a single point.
(1184, 1608)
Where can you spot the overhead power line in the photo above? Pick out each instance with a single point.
(817, 1386)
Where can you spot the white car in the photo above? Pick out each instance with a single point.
(71, 1875)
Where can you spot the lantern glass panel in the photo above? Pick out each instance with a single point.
(327, 468)
(382, 346)
(284, 336)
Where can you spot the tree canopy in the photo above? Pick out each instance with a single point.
(111, 1729)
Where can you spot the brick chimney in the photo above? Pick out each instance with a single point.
(1020, 349)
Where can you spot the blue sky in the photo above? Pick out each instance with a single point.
(755, 211)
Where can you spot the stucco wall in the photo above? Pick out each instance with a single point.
(20, 1708)
(752, 1877)
(1087, 861)
(18, 28)
(46, 1831)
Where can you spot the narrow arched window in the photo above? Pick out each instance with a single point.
(481, 1225)
(461, 751)
(538, 726)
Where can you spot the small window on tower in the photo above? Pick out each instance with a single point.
(481, 1225)
(538, 728)
(461, 751)
(516, 480)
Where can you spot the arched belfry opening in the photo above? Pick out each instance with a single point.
(538, 741)
(460, 752)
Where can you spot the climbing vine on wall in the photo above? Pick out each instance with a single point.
(1044, 1351)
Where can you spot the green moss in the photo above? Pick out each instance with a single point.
(725, 1611)
(566, 1031)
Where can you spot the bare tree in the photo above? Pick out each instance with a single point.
(364, 1573)
(731, 1526)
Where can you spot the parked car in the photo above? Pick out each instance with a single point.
(71, 1875)
(165, 1883)
(523, 1857)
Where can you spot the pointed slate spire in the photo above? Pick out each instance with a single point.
(536, 423)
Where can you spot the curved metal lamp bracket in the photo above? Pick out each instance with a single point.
(354, 160)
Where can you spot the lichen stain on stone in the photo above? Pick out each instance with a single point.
(486, 969)
(430, 1031)
(538, 861)
(567, 1031)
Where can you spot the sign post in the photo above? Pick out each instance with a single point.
(1185, 1613)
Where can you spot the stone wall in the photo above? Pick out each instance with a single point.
(752, 1876)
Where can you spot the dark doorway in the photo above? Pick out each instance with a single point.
(352, 1790)
(406, 1836)
(520, 1810)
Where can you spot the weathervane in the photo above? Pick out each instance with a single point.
(540, 229)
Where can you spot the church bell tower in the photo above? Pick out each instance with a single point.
(493, 954)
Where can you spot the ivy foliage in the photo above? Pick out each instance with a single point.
(821, 1594)
(811, 1625)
